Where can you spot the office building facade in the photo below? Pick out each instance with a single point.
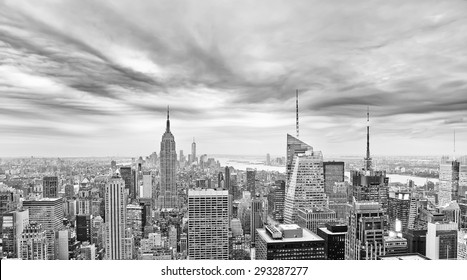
(208, 224)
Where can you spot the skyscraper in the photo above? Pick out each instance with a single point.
(168, 196)
(250, 181)
(334, 236)
(288, 242)
(441, 240)
(33, 243)
(13, 224)
(448, 181)
(277, 197)
(256, 220)
(336, 189)
(208, 224)
(128, 178)
(333, 173)
(294, 147)
(313, 218)
(306, 185)
(147, 185)
(193, 151)
(115, 218)
(50, 187)
(399, 210)
(368, 184)
(227, 185)
(367, 228)
(49, 213)
(83, 228)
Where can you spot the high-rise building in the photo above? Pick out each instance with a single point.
(50, 187)
(416, 240)
(62, 238)
(115, 218)
(128, 178)
(399, 211)
(168, 196)
(172, 237)
(33, 243)
(227, 184)
(135, 221)
(339, 201)
(448, 181)
(294, 147)
(276, 201)
(370, 185)
(208, 224)
(69, 191)
(13, 224)
(334, 236)
(315, 217)
(306, 185)
(193, 151)
(462, 177)
(288, 242)
(268, 159)
(256, 220)
(88, 251)
(98, 232)
(8, 199)
(49, 213)
(367, 228)
(83, 228)
(333, 173)
(463, 213)
(462, 244)
(220, 180)
(441, 240)
(395, 245)
(251, 181)
(147, 185)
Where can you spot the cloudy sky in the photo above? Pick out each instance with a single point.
(94, 78)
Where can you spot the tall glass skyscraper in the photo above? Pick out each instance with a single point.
(306, 185)
(168, 198)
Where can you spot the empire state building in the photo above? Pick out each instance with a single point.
(168, 198)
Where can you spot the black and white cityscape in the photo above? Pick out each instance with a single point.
(233, 130)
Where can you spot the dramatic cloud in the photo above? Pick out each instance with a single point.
(96, 77)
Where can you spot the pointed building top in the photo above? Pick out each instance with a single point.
(368, 158)
(167, 128)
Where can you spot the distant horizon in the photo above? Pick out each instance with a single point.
(232, 155)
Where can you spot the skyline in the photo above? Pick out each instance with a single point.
(97, 79)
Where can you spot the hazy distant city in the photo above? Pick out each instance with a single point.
(251, 130)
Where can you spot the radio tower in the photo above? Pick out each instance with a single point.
(368, 158)
(297, 111)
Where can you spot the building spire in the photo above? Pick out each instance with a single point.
(167, 128)
(368, 158)
(296, 112)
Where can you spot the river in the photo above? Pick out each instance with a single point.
(244, 164)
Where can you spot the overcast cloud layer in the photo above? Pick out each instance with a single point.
(83, 78)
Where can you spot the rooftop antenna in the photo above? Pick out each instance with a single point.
(297, 112)
(368, 158)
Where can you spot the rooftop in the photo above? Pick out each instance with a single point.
(308, 236)
(404, 257)
(202, 192)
